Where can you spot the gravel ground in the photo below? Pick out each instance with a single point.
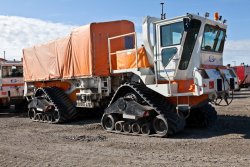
(84, 143)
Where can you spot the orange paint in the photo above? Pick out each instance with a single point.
(59, 84)
(5, 85)
(184, 86)
(213, 66)
(193, 100)
(72, 96)
(127, 60)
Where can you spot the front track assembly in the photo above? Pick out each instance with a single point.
(138, 110)
(51, 105)
(202, 117)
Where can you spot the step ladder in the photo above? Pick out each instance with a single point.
(183, 107)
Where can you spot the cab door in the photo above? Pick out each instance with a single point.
(168, 42)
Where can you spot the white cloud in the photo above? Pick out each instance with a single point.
(238, 45)
(237, 51)
(17, 33)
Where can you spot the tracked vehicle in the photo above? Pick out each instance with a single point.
(153, 90)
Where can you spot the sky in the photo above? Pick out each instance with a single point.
(24, 23)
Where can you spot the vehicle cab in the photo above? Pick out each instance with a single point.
(11, 82)
(189, 48)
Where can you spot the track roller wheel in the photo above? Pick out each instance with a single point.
(145, 129)
(36, 118)
(56, 116)
(136, 128)
(49, 118)
(118, 126)
(127, 127)
(39, 117)
(44, 118)
(160, 126)
(108, 122)
(32, 113)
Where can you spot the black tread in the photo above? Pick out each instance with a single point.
(61, 102)
(155, 100)
(202, 117)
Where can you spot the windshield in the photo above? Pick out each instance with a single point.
(12, 71)
(213, 39)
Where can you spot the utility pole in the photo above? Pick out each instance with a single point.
(4, 55)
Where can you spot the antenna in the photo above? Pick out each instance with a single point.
(4, 55)
(163, 15)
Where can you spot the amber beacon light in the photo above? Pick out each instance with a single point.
(216, 16)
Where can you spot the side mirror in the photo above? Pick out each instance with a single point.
(186, 24)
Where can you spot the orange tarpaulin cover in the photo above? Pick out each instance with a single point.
(82, 54)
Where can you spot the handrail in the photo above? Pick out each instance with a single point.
(112, 53)
(123, 35)
(123, 51)
(110, 61)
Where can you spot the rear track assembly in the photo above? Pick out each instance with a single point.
(59, 108)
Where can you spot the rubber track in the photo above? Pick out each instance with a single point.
(157, 101)
(61, 102)
(202, 117)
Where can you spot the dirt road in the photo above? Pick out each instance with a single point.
(84, 143)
